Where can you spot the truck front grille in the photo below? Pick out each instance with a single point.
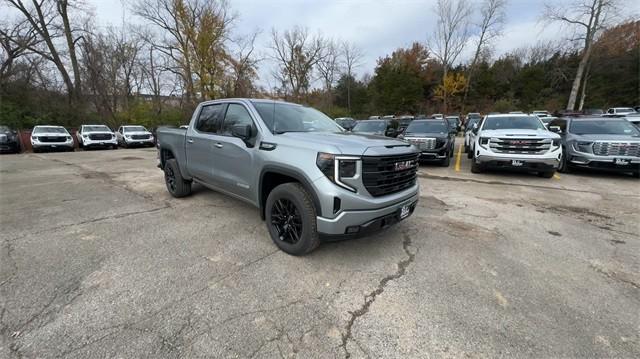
(527, 146)
(140, 137)
(52, 138)
(616, 149)
(423, 143)
(100, 136)
(389, 174)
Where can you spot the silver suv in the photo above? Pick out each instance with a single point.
(611, 144)
(309, 178)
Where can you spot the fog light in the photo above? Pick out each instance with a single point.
(353, 229)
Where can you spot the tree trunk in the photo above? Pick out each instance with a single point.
(444, 93)
(571, 105)
(349, 93)
(77, 90)
(583, 93)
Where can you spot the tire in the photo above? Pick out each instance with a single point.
(298, 233)
(176, 185)
(452, 150)
(446, 162)
(466, 148)
(636, 174)
(80, 144)
(546, 174)
(564, 167)
(475, 167)
(470, 153)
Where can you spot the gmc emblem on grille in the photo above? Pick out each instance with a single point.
(519, 142)
(401, 166)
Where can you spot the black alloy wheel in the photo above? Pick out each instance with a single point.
(286, 220)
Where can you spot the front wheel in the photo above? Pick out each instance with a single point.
(291, 219)
(446, 162)
(176, 184)
(564, 164)
(547, 174)
(475, 167)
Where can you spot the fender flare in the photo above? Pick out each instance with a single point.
(298, 176)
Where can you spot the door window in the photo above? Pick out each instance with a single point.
(210, 118)
(236, 115)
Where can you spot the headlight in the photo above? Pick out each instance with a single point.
(85, 136)
(582, 146)
(69, 138)
(556, 142)
(483, 141)
(127, 136)
(337, 168)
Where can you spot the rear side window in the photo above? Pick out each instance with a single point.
(210, 118)
(236, 115)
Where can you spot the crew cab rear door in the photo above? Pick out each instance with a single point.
(200, 142)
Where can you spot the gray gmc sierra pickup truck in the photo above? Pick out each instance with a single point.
(309, 178)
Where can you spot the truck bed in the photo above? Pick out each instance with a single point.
(172, 139)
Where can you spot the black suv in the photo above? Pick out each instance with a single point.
(434, 138)
(386, 127)
(9, 141)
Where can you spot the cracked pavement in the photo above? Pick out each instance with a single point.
(97, 260)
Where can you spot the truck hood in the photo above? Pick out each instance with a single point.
(97, 133)
(137, 133)
(426, 134)
(607, 138)
(519, 133)
(348, 143)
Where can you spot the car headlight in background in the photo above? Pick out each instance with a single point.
(583, 146)
(337, 167)
(556, 142)
(69, 138)
(85, 136)
(483, 141)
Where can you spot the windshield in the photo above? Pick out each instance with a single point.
(370, 126)
(516, 122)
(625, 110)
(472, 122)
(4, 129)
(474, 115)
(427, 127)
(284, 117)
(135, 129)
(49, 130)
(96, 128)
(603, 127)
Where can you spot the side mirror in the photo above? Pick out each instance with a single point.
(555, 129)
(243, 132)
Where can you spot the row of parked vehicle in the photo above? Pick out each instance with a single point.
(536, 142)
(57, 138)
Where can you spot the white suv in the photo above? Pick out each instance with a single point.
(134, 136)
(96, 136)
(620, 111)
(515, 141)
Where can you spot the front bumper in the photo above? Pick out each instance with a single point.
(539, 162)
(366, 221)
(99, 143)
(437, 154)
(145, 142)
(9, 147)
(63, 146)
(609, 163)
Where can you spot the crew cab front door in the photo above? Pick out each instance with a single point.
(235, 171)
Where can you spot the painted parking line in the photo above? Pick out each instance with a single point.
(556, 176)
(458, 158)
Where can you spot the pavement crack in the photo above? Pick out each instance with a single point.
(371, 297)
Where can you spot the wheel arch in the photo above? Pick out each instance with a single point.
(272, 176)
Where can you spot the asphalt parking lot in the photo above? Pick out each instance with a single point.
(97, 260)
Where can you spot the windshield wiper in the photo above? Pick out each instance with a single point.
(279, 132)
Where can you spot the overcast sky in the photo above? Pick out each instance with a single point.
(376, 26)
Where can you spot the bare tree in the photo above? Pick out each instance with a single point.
(587, 18)
(15, 41)
(352, 56)
(244, 65)
(50, 20)
(490, 26)
(329, 67)
(296, 54)
(452, 33)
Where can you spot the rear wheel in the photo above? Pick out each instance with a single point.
(291, 219)
(470, 153)
(176, 184)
